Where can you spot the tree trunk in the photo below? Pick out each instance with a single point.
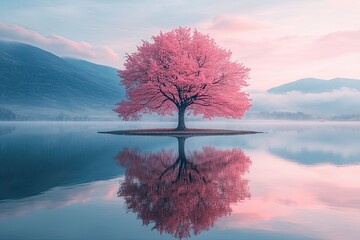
(181, 120)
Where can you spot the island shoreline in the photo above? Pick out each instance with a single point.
(174, 132)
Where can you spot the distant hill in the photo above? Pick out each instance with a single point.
(6, 114)
(313, 85)
(33, 79)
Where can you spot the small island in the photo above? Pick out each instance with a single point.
(178, 133)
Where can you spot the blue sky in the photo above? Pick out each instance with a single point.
(279, 40)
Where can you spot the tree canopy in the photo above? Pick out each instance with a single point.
(183, 70)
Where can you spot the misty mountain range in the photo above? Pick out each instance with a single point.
(36, 84)
(314, 85)
(36, 81)
(309, 99)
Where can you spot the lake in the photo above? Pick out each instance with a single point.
(297, 180)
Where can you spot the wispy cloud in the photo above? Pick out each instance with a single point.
(111, 53)
(232, 24)
(336, 44)
(58, 44)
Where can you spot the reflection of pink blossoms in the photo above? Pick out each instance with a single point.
(183, 70)
(186, 195)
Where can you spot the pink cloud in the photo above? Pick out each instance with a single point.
(298, 49)
(14, 31)
(111, 53)
(18, 33)
(58, 44)
(290, 57)
(232, 24)
(82, 48)
(336, 44)
(260, 54)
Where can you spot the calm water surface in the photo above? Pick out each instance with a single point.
(66, 181)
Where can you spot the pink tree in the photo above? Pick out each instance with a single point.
(183, 71)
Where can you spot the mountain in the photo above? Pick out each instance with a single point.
(313, 85)
(6, 114)
(36, 81)
(308, 99)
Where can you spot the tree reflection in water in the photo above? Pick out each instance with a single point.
(183, 194)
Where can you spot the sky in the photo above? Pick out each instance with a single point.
(280, 40)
